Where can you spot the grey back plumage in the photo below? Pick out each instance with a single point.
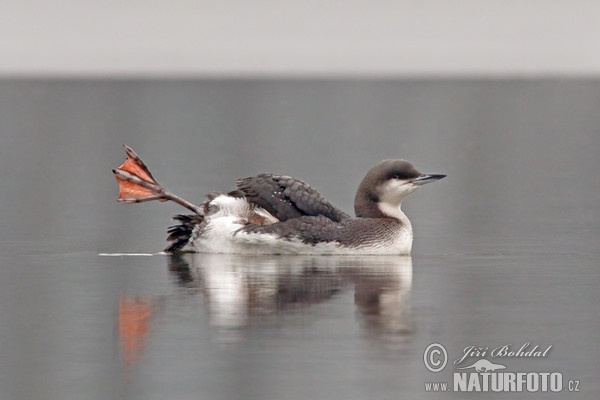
(286, 197)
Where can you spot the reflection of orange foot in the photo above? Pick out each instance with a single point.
(134, 322)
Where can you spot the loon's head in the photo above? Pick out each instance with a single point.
(387, 183)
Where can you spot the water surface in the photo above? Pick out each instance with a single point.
(505, 252)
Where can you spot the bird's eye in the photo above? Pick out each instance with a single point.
(396, 177)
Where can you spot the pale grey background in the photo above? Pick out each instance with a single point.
(274, 38)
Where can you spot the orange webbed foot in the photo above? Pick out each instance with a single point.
(136, 183)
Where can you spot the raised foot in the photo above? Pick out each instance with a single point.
(136, 183)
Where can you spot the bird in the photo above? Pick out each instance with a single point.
(276, 214)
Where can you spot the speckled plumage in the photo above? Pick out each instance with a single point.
(320, 229)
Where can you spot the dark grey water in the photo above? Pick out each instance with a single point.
(506, 248)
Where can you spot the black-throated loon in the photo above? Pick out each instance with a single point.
(278, 214)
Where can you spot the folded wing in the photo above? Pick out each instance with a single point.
(286, 197)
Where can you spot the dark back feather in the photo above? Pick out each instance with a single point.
(286, 197)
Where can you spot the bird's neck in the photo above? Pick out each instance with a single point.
(393, 211)
(367, 206)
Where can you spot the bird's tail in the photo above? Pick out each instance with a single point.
(180, 235)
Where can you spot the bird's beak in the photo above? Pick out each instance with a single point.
(426, 178)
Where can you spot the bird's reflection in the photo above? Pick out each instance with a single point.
(242, 291)
(241, 288)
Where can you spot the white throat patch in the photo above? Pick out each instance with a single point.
(391, 195)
